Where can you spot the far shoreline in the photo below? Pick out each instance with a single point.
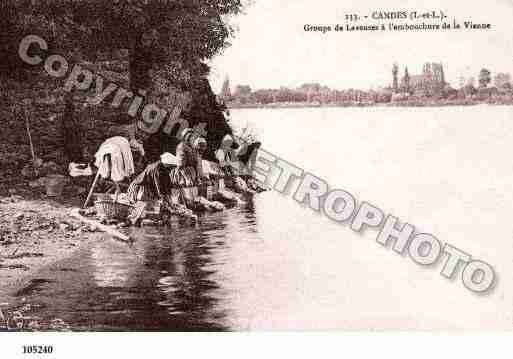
(361, 105)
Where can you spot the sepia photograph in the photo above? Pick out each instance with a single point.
(255, 166)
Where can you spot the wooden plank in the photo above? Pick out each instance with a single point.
(103, 228)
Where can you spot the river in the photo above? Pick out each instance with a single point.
(272, 264)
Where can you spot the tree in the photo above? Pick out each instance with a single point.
(174, 38)
(469, 89)
(264, 96)
(153, 31)
(502, 80)
(242, 91)
(485, 77)
(310, 87)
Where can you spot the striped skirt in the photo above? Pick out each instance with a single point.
(183, 177)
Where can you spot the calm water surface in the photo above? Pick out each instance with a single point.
(273, 264)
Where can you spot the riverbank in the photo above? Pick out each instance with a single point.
(35, 232)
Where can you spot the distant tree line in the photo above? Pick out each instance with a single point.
(488, 86)
(313, 93)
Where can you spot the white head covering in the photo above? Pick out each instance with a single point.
(227, 138)
(199, 141)
(168, 159)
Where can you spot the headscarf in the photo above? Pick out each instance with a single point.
(227, 139)
(186, 134)
(168, 159)
(198, 141)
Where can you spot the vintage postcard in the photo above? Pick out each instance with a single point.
(255, 165)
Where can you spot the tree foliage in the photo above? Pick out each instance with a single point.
(485, 77)
(154, 31)
(502, 80)
(174, 36)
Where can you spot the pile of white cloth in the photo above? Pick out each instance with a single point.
(121, 160)
(79, 169)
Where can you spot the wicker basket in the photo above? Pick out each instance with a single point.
(113, 210)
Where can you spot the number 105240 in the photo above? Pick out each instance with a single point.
(37, 349)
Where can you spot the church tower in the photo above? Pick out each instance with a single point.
(395, 71)
(406, 79)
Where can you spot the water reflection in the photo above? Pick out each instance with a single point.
(168, 279)
(108, 273)
(187, 292)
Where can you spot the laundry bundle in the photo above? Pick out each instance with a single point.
(114, 159)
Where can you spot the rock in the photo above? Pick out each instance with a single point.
(91, 211)
(28, 171)
(18, 216)
(109, 221)
(148, 222)
(14, 228)
(43, 225)
(63, 226)
(35, 183)
(38, 162)
(15, 198)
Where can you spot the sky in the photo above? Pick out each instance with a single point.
(271, 48)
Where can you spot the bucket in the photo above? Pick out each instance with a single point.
(55, 185)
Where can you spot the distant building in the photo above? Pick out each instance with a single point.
(242, 90)
(225, 90)
(430, 83)
(395, 82)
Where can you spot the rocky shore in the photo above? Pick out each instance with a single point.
(35, 231)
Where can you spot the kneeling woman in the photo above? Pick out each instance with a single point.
(232, 166)
(189, 173)
(154, 183)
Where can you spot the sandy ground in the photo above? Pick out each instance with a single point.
(36, 231)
